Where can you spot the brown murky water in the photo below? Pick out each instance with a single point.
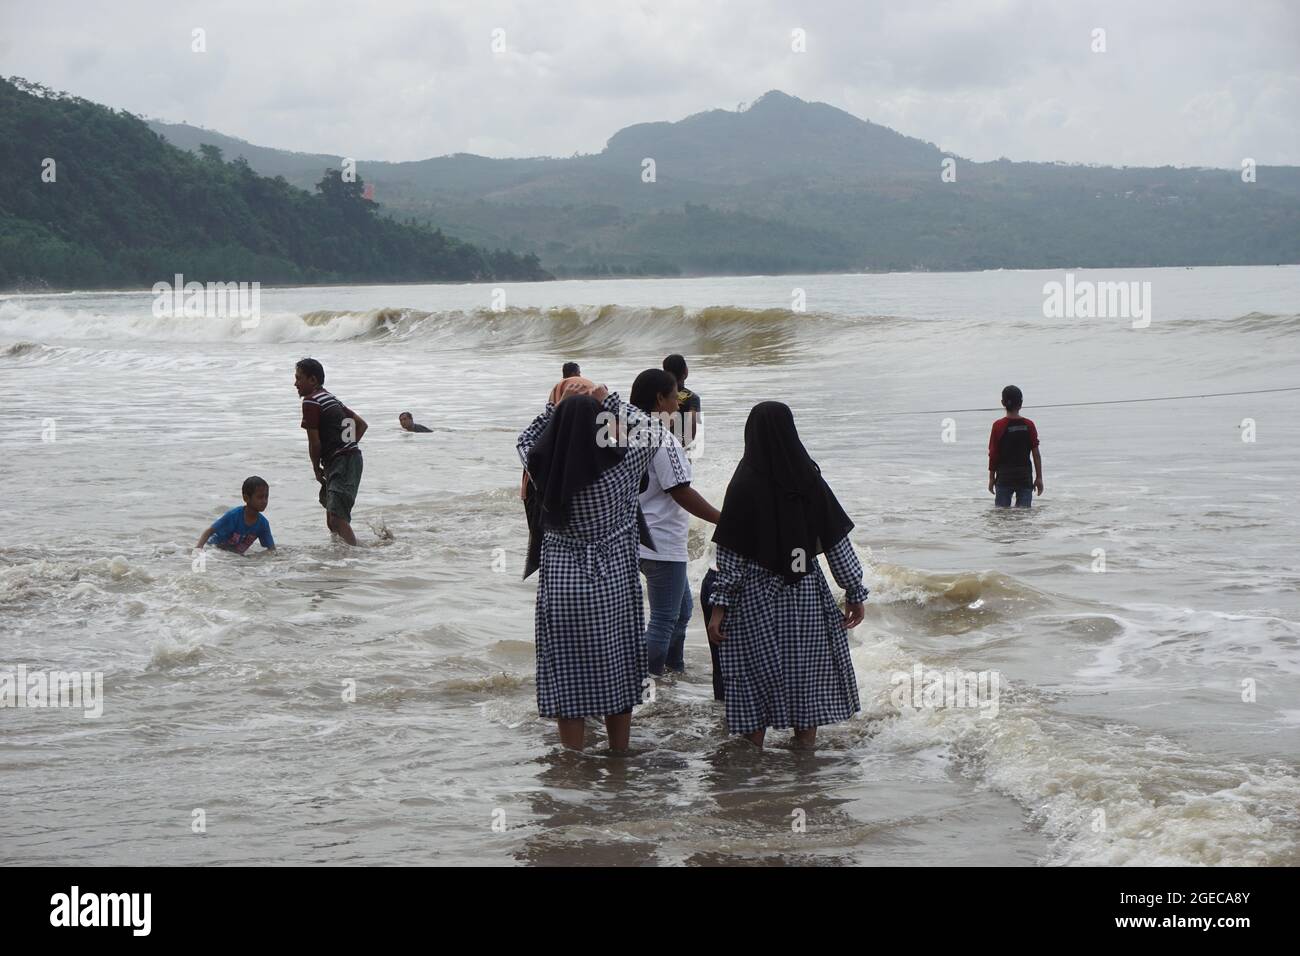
(1120, 736)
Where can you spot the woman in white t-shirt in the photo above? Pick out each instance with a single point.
(667, 502)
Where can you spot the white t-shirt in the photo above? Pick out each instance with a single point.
(668, 521)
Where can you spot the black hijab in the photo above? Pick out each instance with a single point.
(777, 500)
(567, 458)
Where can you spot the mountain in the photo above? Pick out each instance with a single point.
(778, 136)
(785, 185)
(93, 198)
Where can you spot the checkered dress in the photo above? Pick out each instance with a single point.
(785, 661)
(591, 657)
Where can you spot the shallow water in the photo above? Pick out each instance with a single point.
(1120, 735)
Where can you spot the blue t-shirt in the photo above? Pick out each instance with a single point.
(229, 531)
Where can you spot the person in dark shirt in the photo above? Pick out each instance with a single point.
(1011, 444)
(333, 431)
(688, 402)
(408, 424)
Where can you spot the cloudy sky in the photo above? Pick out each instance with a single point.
(1197, 82)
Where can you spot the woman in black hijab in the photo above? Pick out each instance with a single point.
(591, 659)
(782, 639)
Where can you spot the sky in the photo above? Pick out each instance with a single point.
(1192, 83)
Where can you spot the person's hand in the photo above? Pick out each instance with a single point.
(600, 393)
(1038, 486)
(991, 491)
(715, 625)
(853, 614)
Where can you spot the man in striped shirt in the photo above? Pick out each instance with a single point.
(333, 431)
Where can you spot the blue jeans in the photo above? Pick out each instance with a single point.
(670, 611)
(1024, 495)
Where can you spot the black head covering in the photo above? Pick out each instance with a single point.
(567, 458)
(777, 500)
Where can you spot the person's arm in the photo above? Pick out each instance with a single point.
(623, 413)
(1038, 471)
(693, 502)
(359, 425)
(264, 536)
(311, 425)
(726, 591)
(313, 452)
(203, 539)
(528, 437)
(691, 425)
(847, 570)
(622, 410)
(992, 458)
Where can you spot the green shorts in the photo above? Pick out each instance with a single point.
(342, 480)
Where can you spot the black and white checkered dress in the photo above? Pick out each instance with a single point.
(785, 661)
(591, 657)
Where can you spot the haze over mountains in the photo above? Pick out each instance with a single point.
(782, 186)
(786, 185)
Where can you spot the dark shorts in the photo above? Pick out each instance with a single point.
(342, 481)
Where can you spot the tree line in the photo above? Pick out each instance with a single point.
(93, 198)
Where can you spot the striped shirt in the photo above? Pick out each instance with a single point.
(334, 421)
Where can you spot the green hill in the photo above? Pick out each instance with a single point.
(790, 186)
(127, 208)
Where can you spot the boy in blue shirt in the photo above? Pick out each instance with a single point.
(238, 528)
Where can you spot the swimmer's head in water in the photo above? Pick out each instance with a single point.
(256, 493)
(308, 376)
(570, 370)
(405, 420)
(1012, 398)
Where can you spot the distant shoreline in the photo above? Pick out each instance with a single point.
(16, 293)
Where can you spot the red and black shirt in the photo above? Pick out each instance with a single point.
(1010, 443)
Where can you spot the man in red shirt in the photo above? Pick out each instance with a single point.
(1013, 440)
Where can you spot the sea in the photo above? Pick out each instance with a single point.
(1130, 644)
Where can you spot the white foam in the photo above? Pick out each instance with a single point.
(1091, 789)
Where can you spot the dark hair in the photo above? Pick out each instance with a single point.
(252, 484)
(570, 369)
(675, 364)
(1012, 399)
(407, 415)
(649, 385)
(312, 368)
